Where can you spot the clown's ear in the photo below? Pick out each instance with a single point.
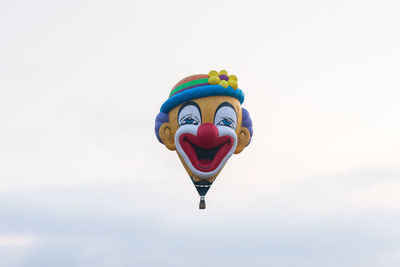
(243, 139)
(166, 136)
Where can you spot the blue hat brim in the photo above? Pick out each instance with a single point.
(202, 91)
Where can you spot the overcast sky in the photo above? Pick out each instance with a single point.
(84, 182)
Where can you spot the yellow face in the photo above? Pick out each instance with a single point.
(205, 132)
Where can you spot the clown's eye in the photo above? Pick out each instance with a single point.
(226, 122)
(189, 120)
(189, 114)
(225, 116)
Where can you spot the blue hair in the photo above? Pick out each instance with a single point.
(161, 118)
(247, 122)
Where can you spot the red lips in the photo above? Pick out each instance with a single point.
(207, 149)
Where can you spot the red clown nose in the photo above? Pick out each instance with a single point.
(207, 135)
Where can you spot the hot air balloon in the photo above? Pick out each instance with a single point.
(204, 122)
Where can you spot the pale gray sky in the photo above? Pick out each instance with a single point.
(84, 182)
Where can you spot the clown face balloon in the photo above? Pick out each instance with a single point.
(203, 120)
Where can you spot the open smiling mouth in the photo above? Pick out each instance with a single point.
(205, 156)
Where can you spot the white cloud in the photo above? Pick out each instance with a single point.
(15, 240)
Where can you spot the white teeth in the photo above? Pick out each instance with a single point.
(199, 185)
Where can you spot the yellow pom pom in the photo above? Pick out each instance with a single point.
(233, 84)
(213, 73)
(224, 83)
(213, 80)
(232, 77)
(223, 72)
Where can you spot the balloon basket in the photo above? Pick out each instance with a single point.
(202, 204)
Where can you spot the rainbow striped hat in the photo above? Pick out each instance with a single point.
(202, 85)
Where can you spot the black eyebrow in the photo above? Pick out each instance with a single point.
(188, 104)
(225, 104)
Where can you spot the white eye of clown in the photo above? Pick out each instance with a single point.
(226, 116)
(189, 115)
